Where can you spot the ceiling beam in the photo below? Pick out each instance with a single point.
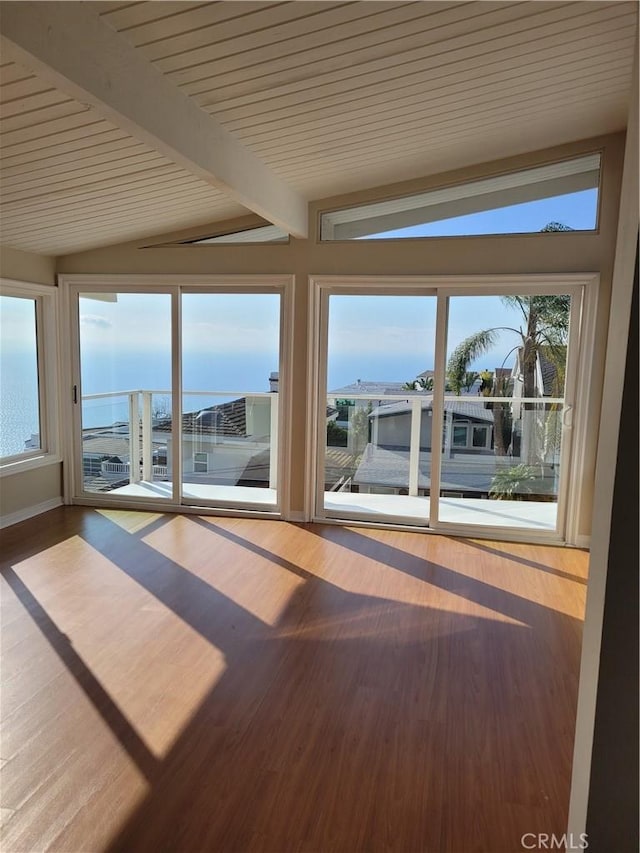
(70, 46)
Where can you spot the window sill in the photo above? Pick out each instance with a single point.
(18, 466)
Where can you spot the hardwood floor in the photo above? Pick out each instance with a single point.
(177, 683)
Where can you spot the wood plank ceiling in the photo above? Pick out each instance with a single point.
(333, 96)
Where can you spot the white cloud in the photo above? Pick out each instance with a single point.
(95, 320)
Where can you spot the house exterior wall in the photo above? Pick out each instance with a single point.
(226, 458)
(258, 415)
(508, 254)
(395, 430)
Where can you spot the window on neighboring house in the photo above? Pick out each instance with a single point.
(554, 197)
(471, 435)
(460, 436)
(200, 464)
(27, 374)
(480, 436)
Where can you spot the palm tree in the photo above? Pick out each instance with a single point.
(545, 324)
(422, 383)
(511, 484)
(470, 379)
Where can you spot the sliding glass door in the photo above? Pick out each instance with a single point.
(177, 394)
(230, 384)
(440, 403)
(124, 394)
(375, 417)
(506, 415)
(446, 406)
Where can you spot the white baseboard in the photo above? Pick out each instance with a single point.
(29, 512)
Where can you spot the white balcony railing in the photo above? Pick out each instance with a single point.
(134, 424)
(109, 469)
(470, 450)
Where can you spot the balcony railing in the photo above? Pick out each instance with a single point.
(143, 431)
(110, 468)
(391, 439)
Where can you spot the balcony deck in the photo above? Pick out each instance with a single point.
(537, 515)
(201, 492)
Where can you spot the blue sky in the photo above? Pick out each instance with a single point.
(576, 210)
(231, 340)
(18, 324)
(393, 337)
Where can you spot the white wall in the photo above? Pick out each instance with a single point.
(26, 266)
(23, 493)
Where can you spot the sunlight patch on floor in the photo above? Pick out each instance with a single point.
(258, 585)
(132, 520)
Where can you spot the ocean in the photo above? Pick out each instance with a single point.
(132, 370)
(18, 406)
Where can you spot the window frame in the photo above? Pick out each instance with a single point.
(583, 287)
(45, 298)
(482, 176)
(470, 427)
(73, 284)
(460, 425)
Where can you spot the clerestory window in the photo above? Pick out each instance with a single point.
(554, 197)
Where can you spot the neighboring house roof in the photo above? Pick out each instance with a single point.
(474, 411)
(105, 445)
(222, 419)
(391, 468)
(378, 387)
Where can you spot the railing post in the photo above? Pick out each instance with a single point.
(448, 434)
(147, 438)
(134, 438)
(273, 455)
(414, 446)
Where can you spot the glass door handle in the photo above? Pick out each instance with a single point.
(567, 416)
